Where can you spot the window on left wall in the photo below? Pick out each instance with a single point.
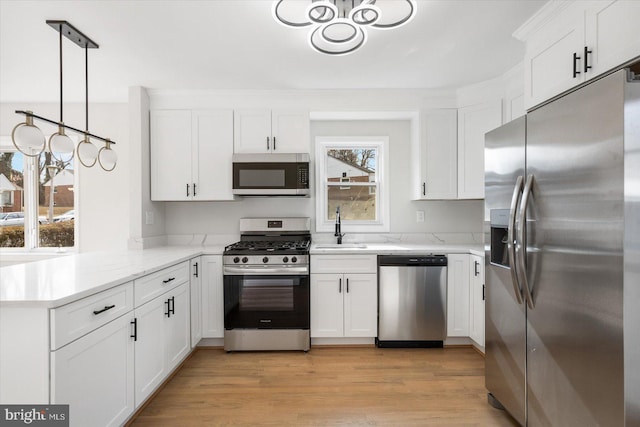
(36, 200)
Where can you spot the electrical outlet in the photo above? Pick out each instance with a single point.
(419, 216)
(149, 218)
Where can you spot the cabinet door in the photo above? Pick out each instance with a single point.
(612, 33)
(327, 304)
(473, 122)
(170, 155)
(150, 345)
(438, 155)
(291, 131)
(212, 297)
(476, 296)
(212, 155)
(360, 305)
(458, 295)
(195, 288)
(177, 327)
(94, 375)
(252, 131)
(548, 60)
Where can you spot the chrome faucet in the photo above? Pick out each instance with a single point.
(338, 232)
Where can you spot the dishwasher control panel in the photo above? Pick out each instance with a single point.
(411, 260)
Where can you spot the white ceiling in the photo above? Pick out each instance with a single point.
(236, 44)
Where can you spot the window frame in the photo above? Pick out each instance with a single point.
(31, 203)
(381, 144)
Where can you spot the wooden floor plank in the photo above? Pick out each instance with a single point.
(327, 387)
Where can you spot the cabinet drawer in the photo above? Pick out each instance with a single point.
(78, 318)
(344, 263)
(152, 285)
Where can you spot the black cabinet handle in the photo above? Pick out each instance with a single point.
(424, 188)
(134, 322)
(339, 286)
(274, 142)
(168, 304)
(187, 190)
(587, 67)
(575, 65)
(196, 267)
(268, 143)
(347, 285)
(106, 308)
(482, 292)
(173, 305)
(475, 268)
(170, 279)
(194, 189)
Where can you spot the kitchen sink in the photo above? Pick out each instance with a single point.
(341, 246)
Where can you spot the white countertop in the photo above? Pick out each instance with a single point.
(57, 281)
(395, 249)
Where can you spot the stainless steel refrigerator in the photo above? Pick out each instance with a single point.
(562, 239)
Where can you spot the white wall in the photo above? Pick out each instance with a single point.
(103, 203)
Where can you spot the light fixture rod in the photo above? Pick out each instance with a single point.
(44, 119)
(60, 37)
(86, 88)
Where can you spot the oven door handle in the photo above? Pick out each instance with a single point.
(265, 271)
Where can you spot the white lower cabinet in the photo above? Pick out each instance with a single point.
(94, 375)
(162, 339)
(458, 295)
(476, 297)
(344, 296)
(212, 297)
(344, 305)
(195, 285)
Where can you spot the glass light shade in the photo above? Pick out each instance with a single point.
(28, 138)
(60, 144)
(87, 152)
(107, 158)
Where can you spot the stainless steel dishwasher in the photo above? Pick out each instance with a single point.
(412, 300)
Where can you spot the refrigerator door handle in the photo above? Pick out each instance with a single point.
(511, 239)
(520, 246)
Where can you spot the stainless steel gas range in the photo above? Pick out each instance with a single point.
(266, 286)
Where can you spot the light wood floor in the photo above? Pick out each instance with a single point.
(327, 387)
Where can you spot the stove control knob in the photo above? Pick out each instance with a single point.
(265, 260)
(236, 260)
(285, 259)
(294, 259)
(245, 259)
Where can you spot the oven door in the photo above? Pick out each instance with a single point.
(266, 301)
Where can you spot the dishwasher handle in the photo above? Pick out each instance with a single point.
(412, 260)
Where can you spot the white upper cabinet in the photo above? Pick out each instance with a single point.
(612, 33)
(271, 131)
(191, 154)
(473, 122)
(437, 156)
(568, 43)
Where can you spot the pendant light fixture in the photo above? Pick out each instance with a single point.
(29, 139)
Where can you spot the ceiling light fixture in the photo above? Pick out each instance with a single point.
(339, 27)
(29, 139)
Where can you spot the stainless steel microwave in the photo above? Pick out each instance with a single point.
(276, 174)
